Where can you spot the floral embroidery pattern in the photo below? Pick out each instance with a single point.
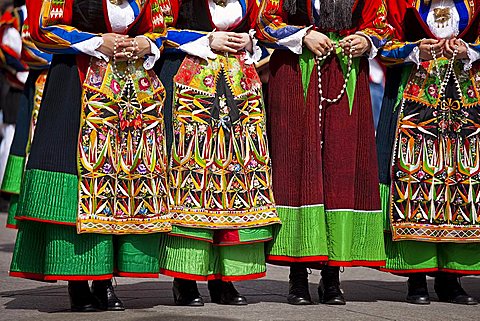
(435, 192)
(122, 165)
(424, 83)
(220, 166)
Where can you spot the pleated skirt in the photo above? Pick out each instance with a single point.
(325, 178)
(48, 247)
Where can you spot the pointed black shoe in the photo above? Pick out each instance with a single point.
(185, 293)
(81, 299)
(418, 289)
(106, 297)
(329, 291)
(448, 289)
(298, 293)
(225, 293)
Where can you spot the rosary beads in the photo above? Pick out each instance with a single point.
(128, 54)
(448, 73)
(320, 60)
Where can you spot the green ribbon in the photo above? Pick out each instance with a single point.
(307, 63)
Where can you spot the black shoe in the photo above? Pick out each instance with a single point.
(185, 293)
(329, 291)
(418, 289)
(225, 293)
(107, 300)
(448, 289)
(81, 299)
(298, 293)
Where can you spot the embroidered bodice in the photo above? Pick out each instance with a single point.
(443, 19)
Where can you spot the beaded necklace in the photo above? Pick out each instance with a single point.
(449, 72)
(131, 58)
(320, 60)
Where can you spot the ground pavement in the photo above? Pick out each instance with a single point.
(372, 295)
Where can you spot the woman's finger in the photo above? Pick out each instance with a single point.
(227, 48)
(447, 47)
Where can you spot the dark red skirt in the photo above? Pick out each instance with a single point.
(325, 178)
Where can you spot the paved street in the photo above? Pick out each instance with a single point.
(372, 295)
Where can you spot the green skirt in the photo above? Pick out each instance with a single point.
(50, 252)
(314, 236)
(196, 254)
(406, 257)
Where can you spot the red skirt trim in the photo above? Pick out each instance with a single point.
(195, 277)
(42, 277)
(138, 275)
(244, 243)
(25, 218)
(279, 259)
(357, 263)
(286, 260)
(12, 226)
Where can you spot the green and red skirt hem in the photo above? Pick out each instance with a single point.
(210, 277)
(202, 255)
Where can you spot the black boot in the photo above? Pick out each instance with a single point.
(81, 299)
(329, 289)
(185, 293)
(448, 289)
(418, 289)
(225, 293)
(107, 300)
(298, 293)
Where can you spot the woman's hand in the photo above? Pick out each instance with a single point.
(317, 42)
(427, 46)
(228, 41)
(132, 48)
(358, 45)
(462, 49)
(245, 41)
(108, 46)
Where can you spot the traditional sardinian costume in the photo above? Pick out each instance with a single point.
(38, 63)
(15, 72)
(326, 189)
(220, 177)
(429, 143)
(323, 154)
(97, 164)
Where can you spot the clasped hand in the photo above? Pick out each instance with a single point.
(230, 41)
(320, 44)
(434, 48)
(123, 47)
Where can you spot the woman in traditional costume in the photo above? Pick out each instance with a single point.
(322, 138)
(222, 206)
(15, 71)
(38, 63)
(428, 143)
(97, 165)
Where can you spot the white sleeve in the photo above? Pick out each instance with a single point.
(199, 48)
(12, 38)
(256, 54)
(414, 56)
(473, 56)
(153, 57)
(295, 42)
(90, 46)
